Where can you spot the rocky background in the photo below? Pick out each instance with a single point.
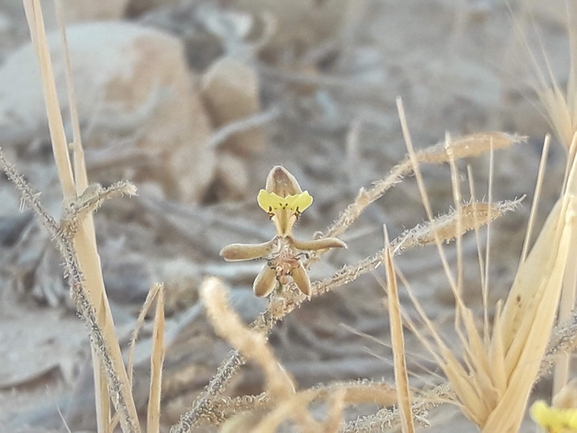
(195, 101)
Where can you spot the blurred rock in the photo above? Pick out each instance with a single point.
(231, 180)
(133, 89)
(300, 24)
(137, 7)
(230, 89)
(76, 11)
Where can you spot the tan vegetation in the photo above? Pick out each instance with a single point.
(489, 375)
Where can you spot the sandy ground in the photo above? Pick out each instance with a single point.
(459, 67)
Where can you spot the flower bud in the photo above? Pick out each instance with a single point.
(281, 182)
(264, 282)
(301, 279)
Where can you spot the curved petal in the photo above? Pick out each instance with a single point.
(264, 282)
(239, 252)
(318, 244)
(280, 181)
(301, 279)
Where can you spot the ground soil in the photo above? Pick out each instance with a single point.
(459, 67)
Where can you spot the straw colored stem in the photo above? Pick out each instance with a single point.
(398, 342)
(156, 362)
(80, 253)
(55, 124)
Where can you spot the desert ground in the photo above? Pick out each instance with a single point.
(194, 102)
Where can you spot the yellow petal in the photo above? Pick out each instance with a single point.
(271, 202)
(301, 279)
(299, 202)
(264, 282)
(552, 419)
(284, 220)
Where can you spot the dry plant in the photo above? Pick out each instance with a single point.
(490, 380)
(75, 239)
(208, 408)
(561, 112)
(494, 381)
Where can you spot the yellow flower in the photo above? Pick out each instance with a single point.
(284, 201)
(270, 202)
(284, 211)
(554, 420)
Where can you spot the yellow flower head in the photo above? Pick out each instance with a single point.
(554, 420)
(271, 202)
(283, 199)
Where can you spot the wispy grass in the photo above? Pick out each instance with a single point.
(489, 377)
(560, 105)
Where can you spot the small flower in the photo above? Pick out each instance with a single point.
(284, 211)
(283, 200)
(561, 416)
(552, 419)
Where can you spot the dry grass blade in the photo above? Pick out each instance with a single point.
(104, 341)
(389, 419)
(561, 112)
(80, 253)
(55, 124)
(470, 216)
(465, 147)
(476, 215)
(279, 383)
(156, 362)
(362, 391)
(547, 257)
(251, 344)
(398, 342)
(355, 392)
(335, 415)
(527, 318)
(494, 381)
(287, 409)
(153, 294)
(568, 294)
(495, 384)
(104, 420)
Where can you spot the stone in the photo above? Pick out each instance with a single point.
(231, 180)
(299, 24)
(133, 90)
(230, 90)
(138, 7)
